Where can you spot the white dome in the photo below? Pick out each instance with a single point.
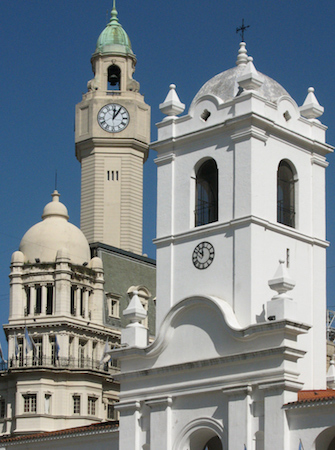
(225, 85)
(43, 240)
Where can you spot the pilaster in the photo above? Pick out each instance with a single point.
(160, 419)
(239, 426)
(130, 430)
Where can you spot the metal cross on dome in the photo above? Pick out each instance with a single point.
(242, 29)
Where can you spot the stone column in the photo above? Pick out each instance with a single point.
(44, 300)
(77, 301)
(130, 430)
(86, 303)
(32, 300)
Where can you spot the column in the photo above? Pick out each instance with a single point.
(130, 430)
(32, 300)
(44, 300)
(86, 303)
(160, 419)
(77, 301)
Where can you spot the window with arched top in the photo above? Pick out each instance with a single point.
(114, 78)
(206, 201)
(286, 181)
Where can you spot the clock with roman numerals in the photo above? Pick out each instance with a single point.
(203, 255)
(113, 118)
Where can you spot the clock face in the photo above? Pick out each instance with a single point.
(203, 255)
(113, 118)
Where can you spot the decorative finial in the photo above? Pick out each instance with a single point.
(56, 180)
(242, 56)
(114, 13)
(311, 109)
(249, 78)
(55, 196)
(242, 29)
(172, 106)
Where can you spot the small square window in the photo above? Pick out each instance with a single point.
(76, 404)
(29, 403)
(112, 414)
(91, 406)
(113, 303)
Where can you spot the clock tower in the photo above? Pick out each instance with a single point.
(112, 142)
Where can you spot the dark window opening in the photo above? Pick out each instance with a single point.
(73, 308)
(2, 408)
(206, 207)
(49, 300)
(114, 78)
(285, 195)
(205, 115)
(82, 310)
(27, 310)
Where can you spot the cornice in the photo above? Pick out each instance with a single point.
(247, 126)
(62, 324)
(285, 352)
(216, 228)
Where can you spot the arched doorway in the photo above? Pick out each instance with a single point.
(214, 444)
(326, 440)
(202, 434)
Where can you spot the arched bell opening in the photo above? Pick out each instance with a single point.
(114, 78)
(206, 201)
(286, 194)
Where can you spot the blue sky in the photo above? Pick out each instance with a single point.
(45, 65)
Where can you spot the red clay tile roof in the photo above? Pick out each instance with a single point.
(316, 396)
(93, 428)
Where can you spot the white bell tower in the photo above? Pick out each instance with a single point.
(241, 185)
(112, 143)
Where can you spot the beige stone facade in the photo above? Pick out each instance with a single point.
(112, 161)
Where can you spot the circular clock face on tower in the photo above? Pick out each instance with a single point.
(203, 255)
(113, 118)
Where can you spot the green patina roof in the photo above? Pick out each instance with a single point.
(114, 39)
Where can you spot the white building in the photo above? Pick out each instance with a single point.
(241, 212)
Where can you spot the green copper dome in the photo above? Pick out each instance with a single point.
(114, 39)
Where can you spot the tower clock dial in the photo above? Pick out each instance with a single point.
(203, 255)
(113, 118)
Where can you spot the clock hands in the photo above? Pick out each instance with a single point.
(116, 113)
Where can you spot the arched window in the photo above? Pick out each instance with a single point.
(206, 202)
(114, 78)
(285, 194)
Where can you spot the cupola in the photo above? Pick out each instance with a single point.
(114, 39)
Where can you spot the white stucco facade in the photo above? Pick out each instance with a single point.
(241, 297)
